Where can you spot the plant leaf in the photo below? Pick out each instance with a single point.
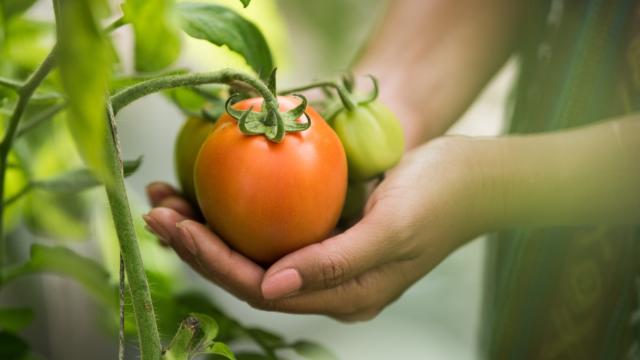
(85, 59)
(180, 346)
(245, 3)
(266, 338)
(209, 328)
(222, 26)
(252, 356)
(312, 351)
(10, 8)
(12, 347)
(15, 319)
(80, 179)
(62, 261)
(220, 349)
(156, 32)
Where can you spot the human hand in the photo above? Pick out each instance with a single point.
(426, 207)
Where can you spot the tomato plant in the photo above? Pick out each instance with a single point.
(64, 83)
(269, 198)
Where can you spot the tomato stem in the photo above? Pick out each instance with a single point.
(342, 91)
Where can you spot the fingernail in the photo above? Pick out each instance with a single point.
(187, 237)
(154, 228)
(283, 283)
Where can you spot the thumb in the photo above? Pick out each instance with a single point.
(366, 245)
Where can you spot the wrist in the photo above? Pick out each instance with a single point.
(488, 191)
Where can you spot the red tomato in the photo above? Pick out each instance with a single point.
(267, 199)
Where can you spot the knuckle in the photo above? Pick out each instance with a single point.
(333, 270)
(262, 304)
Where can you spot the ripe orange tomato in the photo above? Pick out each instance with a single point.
(190, 138)
(267, 199)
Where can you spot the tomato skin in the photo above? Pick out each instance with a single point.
(188, 142)
(372, 137)
(268, 199)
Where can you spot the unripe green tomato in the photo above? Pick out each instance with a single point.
(354, 202)
(372, 138)
(190, 138)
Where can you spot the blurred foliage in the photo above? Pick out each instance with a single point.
(336, 27)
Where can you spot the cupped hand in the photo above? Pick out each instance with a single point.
(431, 203)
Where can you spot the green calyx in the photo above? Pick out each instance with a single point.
(270, 122)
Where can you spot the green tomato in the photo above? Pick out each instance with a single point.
(354, 202)
(189, 141)
(372, 138)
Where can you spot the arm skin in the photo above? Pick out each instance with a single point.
(441, 195)
(433, 58)
(589, 175)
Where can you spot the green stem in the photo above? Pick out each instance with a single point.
(150, 347)
(115, 25)
(40, 118)
(24, 191)
(10, 84)
(24, 94)
(320, 84)
(346, 99)
(225, 76)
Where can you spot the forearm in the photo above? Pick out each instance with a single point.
(589, 175)
(433, 58)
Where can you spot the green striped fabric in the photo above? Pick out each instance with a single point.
(573, 292)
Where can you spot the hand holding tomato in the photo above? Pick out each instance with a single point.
(425, 208)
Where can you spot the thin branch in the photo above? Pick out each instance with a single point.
(17, 196)
(24, 94)
(40, 118)
(10, 84)
(115, 25)
(135, 92)
(321, 84)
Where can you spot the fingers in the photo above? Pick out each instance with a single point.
(162, 222)
(368, 244)
(359, 299)
(206, 253)
(219, 263)
(158, 191)
(164, 195)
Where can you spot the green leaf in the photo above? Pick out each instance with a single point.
(16, 319)
(208, 326)
(12, 347)
(220, 349)
(85, 59)
(156, 32)
(252, 356)
(222, 26)
(10, 8)
(58, 216)
(245, 3)
(80, 179)
(62, 261)
(181, 346)
(312, 351)
(266, 338)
